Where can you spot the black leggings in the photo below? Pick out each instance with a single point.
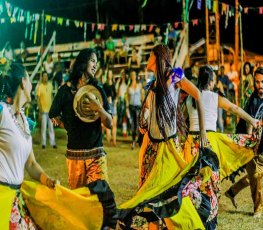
(106, 197)
(134, 113)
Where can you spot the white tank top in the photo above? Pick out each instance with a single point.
(210, 103)
(15, 147)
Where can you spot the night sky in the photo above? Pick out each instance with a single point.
(129, 12)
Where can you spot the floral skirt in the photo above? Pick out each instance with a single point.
(180, 194)
(232, 150)
(16, 214)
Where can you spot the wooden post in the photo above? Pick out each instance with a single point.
(207, 34)
(242, 62)
(186, 28)
(217, 34)
(236, 34)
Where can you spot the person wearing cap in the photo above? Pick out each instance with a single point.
(86, 158)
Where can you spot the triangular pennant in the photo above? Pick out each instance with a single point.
(76, 23)
(151, 28)
(114, 27)
(212, 19)
(122, 27)
(246, 10)
(208, 4)
(195, 22)
(12, 20)
(199, 4)
(131, 27)
(214, 6)
(67, 22)
(53, 19)
(143, 27)
(137, 28)
(224, 8)
(60, 21)
(81, 24)
(48, 18)
(92, 27)
(37, 16)
(260, 10)
(2, 20)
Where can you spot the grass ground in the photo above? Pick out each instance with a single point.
(123, 174)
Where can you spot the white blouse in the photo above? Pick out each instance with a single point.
(15, 146)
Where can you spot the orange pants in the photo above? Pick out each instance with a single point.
(82, 172)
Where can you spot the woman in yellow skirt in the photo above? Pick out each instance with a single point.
(233, 150)
(163, 194)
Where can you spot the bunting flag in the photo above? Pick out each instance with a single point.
(151, 28)
(195, 22)
(143, 27)
(212, 19)
(48, 18)
(122, 27)
(131, 27)
(32, 20)
(137, 28)
(246, 10)
(208, 4)
(60, 21)
(114, 27)
(199, 4)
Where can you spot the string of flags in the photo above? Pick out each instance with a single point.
(32, 20)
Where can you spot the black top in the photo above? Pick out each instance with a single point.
(81, 135)
(251, 108)
(110, 91)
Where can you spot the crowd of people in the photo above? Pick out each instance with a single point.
(177, 116)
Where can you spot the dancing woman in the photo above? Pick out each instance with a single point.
(16, 153)
(161, 161)
(232, 150)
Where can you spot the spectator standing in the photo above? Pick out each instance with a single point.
(109, 88)
(44, 99)
(134, 100)
(248, 81)
(109, 52)
(124, 49)
(233, 77)
(49, 65)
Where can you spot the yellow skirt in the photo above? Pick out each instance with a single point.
(62, 208)
(233, 150)
(167, 170)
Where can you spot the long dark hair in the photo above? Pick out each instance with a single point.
(10, 82)
(165, 105)
(80, 65)
(206, 75)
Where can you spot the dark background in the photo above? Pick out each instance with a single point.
(130, 12)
